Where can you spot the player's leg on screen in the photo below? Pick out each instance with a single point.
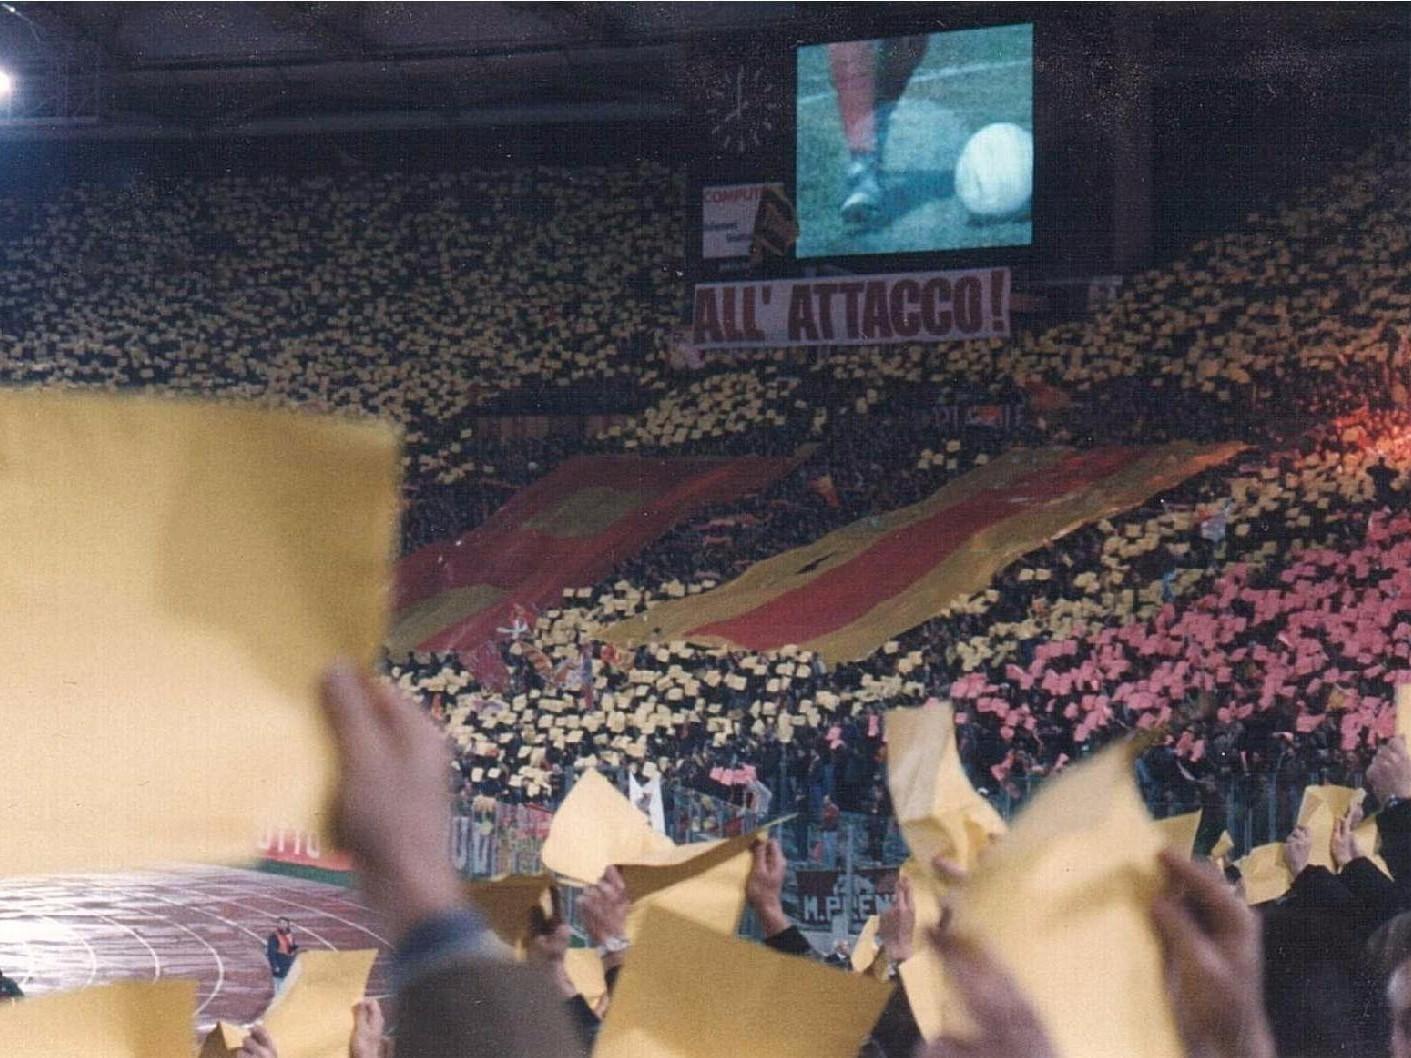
(869, 77)
(897, 60)
(853, 65)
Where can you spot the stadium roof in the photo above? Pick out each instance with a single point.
(288, 67)
(155, 69)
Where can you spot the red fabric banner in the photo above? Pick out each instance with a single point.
(569, 529)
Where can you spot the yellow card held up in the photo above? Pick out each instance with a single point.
(938, 810)
(584, 967)
(222, 1041)
(1264, 873)
(313, 1016)
(596, 827)
(175, 578)
(706, 884)
(129, 1019)
(507, 901)
(1321, 808)
(686, 992)
(1064, 901)
(1403, 711)
(1180, 831)
(866, 950)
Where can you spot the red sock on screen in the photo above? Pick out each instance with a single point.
(853, 65)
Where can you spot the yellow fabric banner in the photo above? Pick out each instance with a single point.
(849, 592)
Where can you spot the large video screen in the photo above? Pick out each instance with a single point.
(916, 144)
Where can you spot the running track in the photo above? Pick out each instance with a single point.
(204, 923)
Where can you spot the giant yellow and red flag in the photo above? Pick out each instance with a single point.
(568, 529)
(849, 592)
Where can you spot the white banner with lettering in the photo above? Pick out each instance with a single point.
(853, 310)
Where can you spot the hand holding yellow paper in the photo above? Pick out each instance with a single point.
(506, 903)
(1321, 808)
(212, 561)
(688, 992)
(222, 1041)
(1264, 873)
(313, 1016)
(938, 810)
(130, 1019)
(1064, 903)
(597, 827)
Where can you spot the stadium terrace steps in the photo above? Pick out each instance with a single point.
(569, 529)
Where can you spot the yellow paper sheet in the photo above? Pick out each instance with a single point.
(585, 969)
(707, 887)
(507, 901)
(1179, 831)
(927, 988)
(866, 950)
(1265, 873)
(130, 1019)
(597, 827)
(686, 992)
(1321, 808)
(1224, 845)
(313, 1016)
(1403, 711)
(175, 578)
(1064, 902)
(938, 810)
(222, 1041)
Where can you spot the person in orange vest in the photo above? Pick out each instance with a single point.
(280, 950)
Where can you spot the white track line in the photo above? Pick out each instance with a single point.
(314, 911)
(92, 955)
(947, 74)
(220, 963)
(26, 945)
(329, 914)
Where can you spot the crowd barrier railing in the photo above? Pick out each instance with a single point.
(839, 875)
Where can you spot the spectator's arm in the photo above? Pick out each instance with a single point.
(393, 809)
(789, 941)
(1214, 963)
(1389, 776)
(764, 886)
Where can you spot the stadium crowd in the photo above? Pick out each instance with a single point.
(1321, 971)
(1250, 619)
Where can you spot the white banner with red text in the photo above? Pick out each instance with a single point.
(853, 310)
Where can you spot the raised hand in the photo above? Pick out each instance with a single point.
(1006, 1026)
(896, 925)
(1214, 963)
(765, 883)
(1297, 847)
(604, 908)
(1389, 774)
(1344, 845)
(257, 1044)
(368, 1026)
(393, 806)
